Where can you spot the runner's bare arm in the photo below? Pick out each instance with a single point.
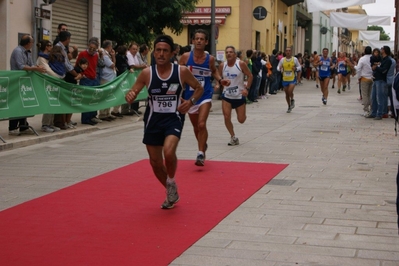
(142, 80)
(220, 69)
(188, 78)
(215, 73)
(183, 59)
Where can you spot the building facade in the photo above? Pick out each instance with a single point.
(246, 24)
(17, 18)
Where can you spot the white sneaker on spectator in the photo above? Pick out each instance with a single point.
(47, 129)
(95, 119)
(69, 125)
(55, 128)
(14, 132)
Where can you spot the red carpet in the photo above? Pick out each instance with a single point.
(115, 218)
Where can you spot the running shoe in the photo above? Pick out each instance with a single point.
(233, 141)
(168, 205)
(289, 110)
(338, 91)
(292, 104)
(171, 192)
(343, 88)
(200, 160)
(332, 87)
(317, 85)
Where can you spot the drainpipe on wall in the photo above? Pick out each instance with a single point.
(34, 30)
(213, 28)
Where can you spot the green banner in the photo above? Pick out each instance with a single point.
(25, 94)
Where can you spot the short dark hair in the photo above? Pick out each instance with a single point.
(122, 50)
(367, 50)
(387, 50)
(43, 44)
(249, 53)
(203, 32)
(83, 61)
(144, 47)
(64, 35)
(61, 24)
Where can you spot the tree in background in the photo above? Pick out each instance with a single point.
(383, 35)
(124, 21)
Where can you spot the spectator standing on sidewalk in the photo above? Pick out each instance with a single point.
(45, 46)
(90, 78)
(21, 59)
(121, 65)
(365, 74)
(276, 75)
(379, 92)
(62, 120)
(134, 63)
(108, 74)
(72, 52)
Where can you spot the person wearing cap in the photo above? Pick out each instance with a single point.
(164, 114)
(379, 92)
(203, 67)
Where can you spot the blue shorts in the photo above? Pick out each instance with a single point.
(235, 103)
(287, 83)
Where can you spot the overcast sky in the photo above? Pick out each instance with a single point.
(383, 8)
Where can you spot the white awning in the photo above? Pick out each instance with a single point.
(369, 35)
(379, 20)
(348, 20)
(322, 5)
(379, 44)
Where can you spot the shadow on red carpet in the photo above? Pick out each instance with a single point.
(115, 218)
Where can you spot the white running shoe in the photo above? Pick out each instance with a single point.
(233, 141)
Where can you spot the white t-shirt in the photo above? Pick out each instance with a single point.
(132, 60)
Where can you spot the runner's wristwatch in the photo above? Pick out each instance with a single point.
(193, 101)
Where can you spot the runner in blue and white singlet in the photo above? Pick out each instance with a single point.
(203, 74)
(202, 66)
(325, 65)
(234, 95)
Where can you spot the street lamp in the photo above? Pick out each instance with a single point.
(213, 29)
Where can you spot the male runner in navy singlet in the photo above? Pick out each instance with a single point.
(164, 115)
